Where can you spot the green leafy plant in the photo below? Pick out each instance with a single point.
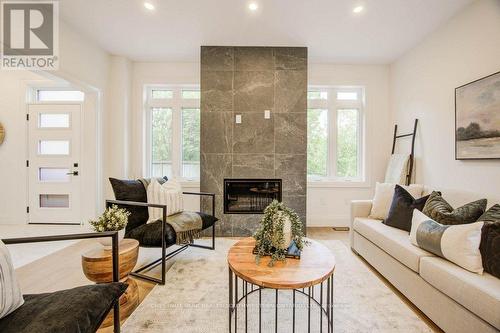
(270, 239)
(113, 219)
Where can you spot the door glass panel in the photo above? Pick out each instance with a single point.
(54, 120)
(53, 147)
(53, 175)
(54, 201)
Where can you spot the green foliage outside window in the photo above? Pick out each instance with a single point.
(317, 142)
(347, 143)
(161, 122)
(191, 135)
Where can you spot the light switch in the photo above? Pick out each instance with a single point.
(267, 114)
(238, 118)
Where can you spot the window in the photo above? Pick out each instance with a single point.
(334, 142)
(54, 95)
(173, 132)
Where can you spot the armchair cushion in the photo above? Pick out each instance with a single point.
(132, 190)
(149, 235)
(78, 310)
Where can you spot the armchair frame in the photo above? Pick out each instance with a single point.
(115, 257)
(164, 256)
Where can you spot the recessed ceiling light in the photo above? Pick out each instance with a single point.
(149, 6)
(253, 6)
(358, 9)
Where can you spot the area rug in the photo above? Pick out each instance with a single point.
(195, 299)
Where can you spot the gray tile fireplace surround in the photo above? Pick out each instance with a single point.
(247, 81)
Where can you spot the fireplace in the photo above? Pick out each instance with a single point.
(250, 196)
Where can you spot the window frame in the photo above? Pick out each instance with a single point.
(333, 105)
(177, 104)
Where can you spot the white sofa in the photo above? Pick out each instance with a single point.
(453, 298)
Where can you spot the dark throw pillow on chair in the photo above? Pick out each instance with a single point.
(441, 211)
(490, 248)
(402, 206)
(132, 190)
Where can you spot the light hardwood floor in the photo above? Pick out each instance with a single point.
(62, 270)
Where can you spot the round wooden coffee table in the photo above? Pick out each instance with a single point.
(314, 269)
(97, 266)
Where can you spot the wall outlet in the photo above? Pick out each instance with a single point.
(238, 118)
(267, 114)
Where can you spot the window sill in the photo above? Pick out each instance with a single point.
(337, 184)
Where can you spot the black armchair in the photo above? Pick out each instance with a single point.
(89, 304)
(151, 235)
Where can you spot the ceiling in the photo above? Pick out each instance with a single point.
(174, 31)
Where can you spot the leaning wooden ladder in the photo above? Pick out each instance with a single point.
(411, 161)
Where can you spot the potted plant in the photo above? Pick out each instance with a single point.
(279, 228)
(113, 219)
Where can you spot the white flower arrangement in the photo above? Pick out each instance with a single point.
(113, 219)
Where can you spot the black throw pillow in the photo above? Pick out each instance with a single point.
(132, 190)
(402, 206)
(490, 248)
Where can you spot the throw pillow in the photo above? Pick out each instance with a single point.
(491, 215)
(438, 209)
(402, 207)
(456, 243)
(168, 193)
(383, 198)
(10, 293)
(132, 190)
(490, 248)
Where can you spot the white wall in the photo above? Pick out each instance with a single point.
(329, 206)
(422, 86)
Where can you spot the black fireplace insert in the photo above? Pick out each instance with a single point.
(250, 196)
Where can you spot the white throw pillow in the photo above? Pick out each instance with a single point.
(10, 293)
(383, 198)
(168, 193)
(457, 243)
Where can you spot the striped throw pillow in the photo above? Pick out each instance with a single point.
(10, 293)
(168, 193)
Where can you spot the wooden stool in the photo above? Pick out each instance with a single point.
(97, 266)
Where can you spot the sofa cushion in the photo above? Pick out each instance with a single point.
(149, 235)
(490, 248)
(438, 209)
(480, 294)
(402, 206)
(393, 241)
(78, 310)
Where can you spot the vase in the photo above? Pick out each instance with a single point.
(287, 232)
(107, 242)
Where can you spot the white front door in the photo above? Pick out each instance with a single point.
(54, 151)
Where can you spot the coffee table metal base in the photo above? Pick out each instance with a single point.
(325, 303)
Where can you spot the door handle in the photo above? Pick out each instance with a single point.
(74, 173)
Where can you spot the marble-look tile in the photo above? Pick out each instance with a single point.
(214, 168)
(290, 58)
(298, 204)
(294, 184)
(253, 59)
(244, 225)
(290, 91)
(216, 132)
(217, 58)
(254, 135)
(253, 165)
(216, 91)
(253, 91)
(290, 164)
(290, 133)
